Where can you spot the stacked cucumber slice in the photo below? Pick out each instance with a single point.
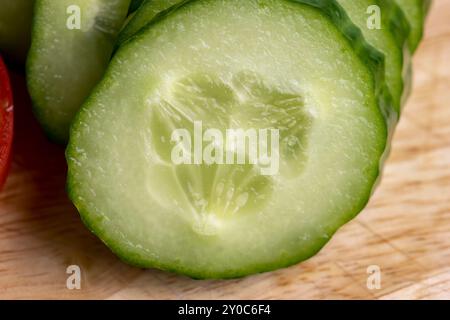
(416, 12)
(153, 170)
(71, 47)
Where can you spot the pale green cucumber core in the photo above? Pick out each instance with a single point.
(244, 102)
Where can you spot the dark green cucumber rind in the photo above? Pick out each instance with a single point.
(400, 29)
(368, 55)
(408, 54)
(417, 27)
(398, 26)
(426, 4)
(374, 60)
(135, 4)
(142, 18)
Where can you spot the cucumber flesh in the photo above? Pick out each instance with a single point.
(15, 28)
(308, 79)
(64, 64)
(416, 12)
(391, 39)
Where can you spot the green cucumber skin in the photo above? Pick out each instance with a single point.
(390, 39)
(371, 57)
(400, 30)
(15, 29)
(57, 131)
(147, 11)
(367, 54)
(416, 12)
(135, 4)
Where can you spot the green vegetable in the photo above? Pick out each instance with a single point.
(135, 4)
(389, 34)
(299, 67)
(72, 42)
(390, 37)
(148, 10)
(416, 12)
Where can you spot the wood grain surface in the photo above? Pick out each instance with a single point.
(405, 229)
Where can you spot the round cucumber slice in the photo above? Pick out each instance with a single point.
(221, 65)
(416, 12)
(72, 42)
(389, 37)
(15, 28)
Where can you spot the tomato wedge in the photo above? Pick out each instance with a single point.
(6, 123)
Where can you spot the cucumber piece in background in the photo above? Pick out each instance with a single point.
(65, 64)
(315, 78)
(416, 12)
(390, 38)
(15, 29)
(147, 11)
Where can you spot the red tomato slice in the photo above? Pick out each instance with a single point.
(6, 123)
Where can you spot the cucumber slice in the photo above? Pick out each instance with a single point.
(390, 38)
(65, 63)
(15, 28)
(147, 11)
(312, 79)
(416, 12)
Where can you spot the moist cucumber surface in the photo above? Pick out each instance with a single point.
(15, 28)
(415, 11)
(390, 38)
(310, 80)
(65, 63)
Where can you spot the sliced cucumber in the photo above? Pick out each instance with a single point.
(416, 12)
(390, 37)
(222, 63)
(135, 4)
(147, 11)
(66, 60)
(15, 28)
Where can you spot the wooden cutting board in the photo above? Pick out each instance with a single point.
(405, 230)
